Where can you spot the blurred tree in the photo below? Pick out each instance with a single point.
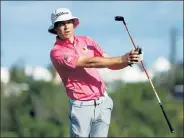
(17, 74)
(42, 111)
(137, 113)
(52, 70)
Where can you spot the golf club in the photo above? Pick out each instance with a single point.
(120, 18)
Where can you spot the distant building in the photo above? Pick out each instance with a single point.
(128, 74)
(178, 91)
(5, 75)
(161, 65)
(38, 73)
(14, 89)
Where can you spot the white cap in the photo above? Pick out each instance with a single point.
(62, 14)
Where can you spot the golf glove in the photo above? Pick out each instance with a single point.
(140, 52)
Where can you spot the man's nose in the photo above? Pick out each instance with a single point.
(66, 26)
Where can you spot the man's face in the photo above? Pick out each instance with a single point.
(65, 29)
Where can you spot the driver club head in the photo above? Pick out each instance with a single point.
(120, 18)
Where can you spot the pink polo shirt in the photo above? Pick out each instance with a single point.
(80, 83)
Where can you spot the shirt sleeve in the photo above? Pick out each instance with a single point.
(65, 59)
(98, 51)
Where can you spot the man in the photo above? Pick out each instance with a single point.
(76, 59)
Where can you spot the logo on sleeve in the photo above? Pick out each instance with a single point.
(67, 58)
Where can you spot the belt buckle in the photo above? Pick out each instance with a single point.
(95, 101)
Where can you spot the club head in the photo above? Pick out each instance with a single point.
(120, 18)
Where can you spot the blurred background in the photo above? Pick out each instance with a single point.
(33, 99)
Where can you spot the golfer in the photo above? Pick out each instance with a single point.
(77, 59)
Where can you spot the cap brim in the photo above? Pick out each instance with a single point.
(76, 23)
(51, 29)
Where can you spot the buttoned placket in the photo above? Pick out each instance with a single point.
(74, 45)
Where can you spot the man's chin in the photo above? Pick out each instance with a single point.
(67, 36)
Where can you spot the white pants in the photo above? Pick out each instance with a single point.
(90, 118)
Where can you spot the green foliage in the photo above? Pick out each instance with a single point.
(171, 78)
(52, 70)
(8, 134)
(17, 74)
(137, 113)
(42, 111)
(37, 127)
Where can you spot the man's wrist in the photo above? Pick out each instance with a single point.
(123, 60)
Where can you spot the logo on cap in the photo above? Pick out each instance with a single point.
(61, 13)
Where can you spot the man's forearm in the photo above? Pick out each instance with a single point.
(102, 62)
(118, 67)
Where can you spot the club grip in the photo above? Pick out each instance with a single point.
(139, 50)
(168, 122)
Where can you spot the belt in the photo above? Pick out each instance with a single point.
(91, 102)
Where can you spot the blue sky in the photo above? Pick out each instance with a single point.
(25, 40)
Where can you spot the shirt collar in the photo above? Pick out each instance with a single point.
(58, 40)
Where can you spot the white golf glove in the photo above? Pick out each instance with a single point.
(140, 52)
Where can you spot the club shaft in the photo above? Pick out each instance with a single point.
(151, 82)
(159, 101)
(144, 68)
(130, 37)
